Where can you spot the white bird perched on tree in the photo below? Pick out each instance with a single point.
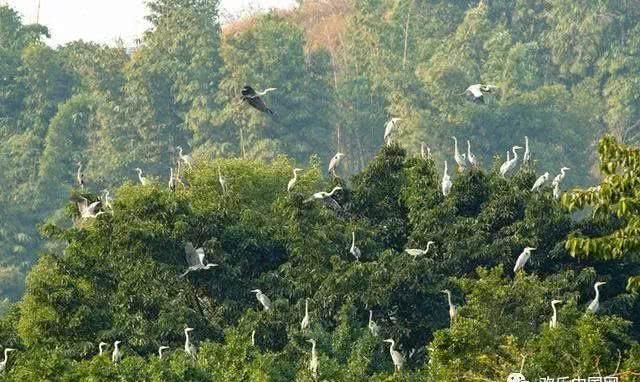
(473, 161)
(523, 258)
(510, 164)
(142, 179)
(526, 157)
(355, 251)
(106, 199)
(453, 310)
(262, 298)
(446, 181)
(389, 127)
(595, 304)
(477, 91)
(373, 327)
(293, 180)
(425, 151)
(189, 347)
(460, 159)
(304, 325)
(186, 158)
(540, 181)
(415, 252)
(334, 162)
(3, 364)
(265, 91)
(554, 318)
(327, 197)
(80, 176)
(101, 347)
(396, 356)
(222, 180)
(160, 349)
(195, 259)
(116, 356)
(88, 211)
(560, 176)
(556, 191)
(313, 362)
(172, 180)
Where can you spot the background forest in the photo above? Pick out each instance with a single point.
(568, 73)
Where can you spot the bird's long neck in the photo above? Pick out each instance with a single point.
(393, 344)
(468, 149)
(6, 355)
(353, 239)
(449, 298)
(455, 145)
(445, 167)
(306, 307)
(313, 349)
(186, 342)
(116, 346)
(596, 287)
(515, 154)
(555, 313)
(370, 316)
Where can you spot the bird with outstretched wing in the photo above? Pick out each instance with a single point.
(253, 99)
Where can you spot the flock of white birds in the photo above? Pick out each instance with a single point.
(195, 257)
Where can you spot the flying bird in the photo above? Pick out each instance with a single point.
(195, 259)
(540, 181)
(265, 91)
(327, 197)
(335, 161)
(88, 211)
(262, 298)
(293, 180)
(446, 181)
(594, 306)
(419, 252)
(253, 99)
(522, 259)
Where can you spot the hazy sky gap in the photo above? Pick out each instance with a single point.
(106, 21)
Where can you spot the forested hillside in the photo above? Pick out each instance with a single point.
(566, 73)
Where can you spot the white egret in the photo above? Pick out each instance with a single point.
(526, 157)
(293, 180)
(540, 181)
(446, 181)
(195, 259)
(595, 304)
(473, 161)
(186, 158)
(222, 180)
(510, 164)
(425, 151)
(523, 258)
(189, 347)
(335, 161)
(143, 180)
(560, 176)
(373, 327)
(477, 91)
(253, 338)
(554, 318)
(327, 197)
(160, 349)
(88, 211)
(3, 364)
(415, 252)
(262, 298)
(460, 159)
(355, 251)
(304, 325)
(453, 310)
(388, 129)
(116, 356)
(313, 363)
(101, 347)
(556, 191)
(172, 180)
(106, 199)
(80, 176)
(396, 356)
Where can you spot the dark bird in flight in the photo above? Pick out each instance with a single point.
(252, 98)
